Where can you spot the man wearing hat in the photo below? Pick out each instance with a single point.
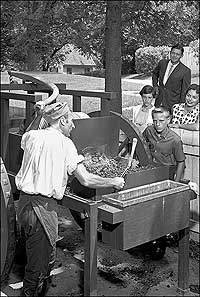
(49, 157)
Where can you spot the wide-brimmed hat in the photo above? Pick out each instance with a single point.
(55, 111)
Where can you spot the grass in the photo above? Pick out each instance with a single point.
(130, 88)
(78, 82)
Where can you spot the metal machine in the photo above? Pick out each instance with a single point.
(103, 134)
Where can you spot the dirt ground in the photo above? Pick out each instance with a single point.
(119, 273)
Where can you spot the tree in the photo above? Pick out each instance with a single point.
(157, 23)
(113, 54)
(33, 32)
(38, 30)
(194, 45)
(7, 32)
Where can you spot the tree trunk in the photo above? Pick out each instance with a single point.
(113, 56)
(32, 57)
(32, 60)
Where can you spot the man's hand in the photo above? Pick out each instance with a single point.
(193, 186)
(95, 181)
(39, 107)
(119, 182)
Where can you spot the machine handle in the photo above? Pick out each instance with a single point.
(134, 143)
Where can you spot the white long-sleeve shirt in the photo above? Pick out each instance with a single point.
(49, 157)
(149, 120)
(170, 68)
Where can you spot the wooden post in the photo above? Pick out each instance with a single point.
(183, 262)
(105, 105)
(90, 266)
(76, 103)
(4, 127)
(29, 109)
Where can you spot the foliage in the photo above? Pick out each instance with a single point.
(194, 45)
(8, 34)
(160, 23)
(96, 73)
(33, 33)
(147, 58)
(157, 23)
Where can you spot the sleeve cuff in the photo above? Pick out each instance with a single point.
(73, 167)
(80, 159)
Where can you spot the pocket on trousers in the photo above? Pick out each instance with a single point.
(28, 220)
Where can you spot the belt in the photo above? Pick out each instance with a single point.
(36, 195)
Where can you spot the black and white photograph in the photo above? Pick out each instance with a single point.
(99, 148)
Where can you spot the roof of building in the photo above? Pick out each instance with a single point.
(75, 57)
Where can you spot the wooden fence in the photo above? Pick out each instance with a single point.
(190, 141)
(190, 61)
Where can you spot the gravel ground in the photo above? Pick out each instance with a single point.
(119, 273)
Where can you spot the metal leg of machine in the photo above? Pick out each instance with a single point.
(183, 262)
(90, 267)
(89, 218)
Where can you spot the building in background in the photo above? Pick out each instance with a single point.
(76, 62)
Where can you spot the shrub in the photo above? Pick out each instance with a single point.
(147, 58)
(96, 73)
(194, 47)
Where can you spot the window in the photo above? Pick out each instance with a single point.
(69, 70)
(87, 70)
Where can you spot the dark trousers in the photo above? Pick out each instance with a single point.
(39, 252)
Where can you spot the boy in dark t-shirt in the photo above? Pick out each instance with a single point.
(165, 145)
(166, 149)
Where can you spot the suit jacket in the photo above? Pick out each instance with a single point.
(176, 86)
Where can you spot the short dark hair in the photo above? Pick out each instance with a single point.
(178, 46)
(147, 90)
(161, 109)
(194, 87)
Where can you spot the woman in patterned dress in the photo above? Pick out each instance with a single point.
(186, 115)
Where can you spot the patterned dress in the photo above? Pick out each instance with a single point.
(181, 116)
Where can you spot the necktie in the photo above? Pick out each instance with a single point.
(170, 70)
(166, 76)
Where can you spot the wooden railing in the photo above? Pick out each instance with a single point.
(30, 100)
(36, 85)
(190, 141)
(33, 85)
(76, 95)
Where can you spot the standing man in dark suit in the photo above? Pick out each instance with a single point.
(171, 79)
